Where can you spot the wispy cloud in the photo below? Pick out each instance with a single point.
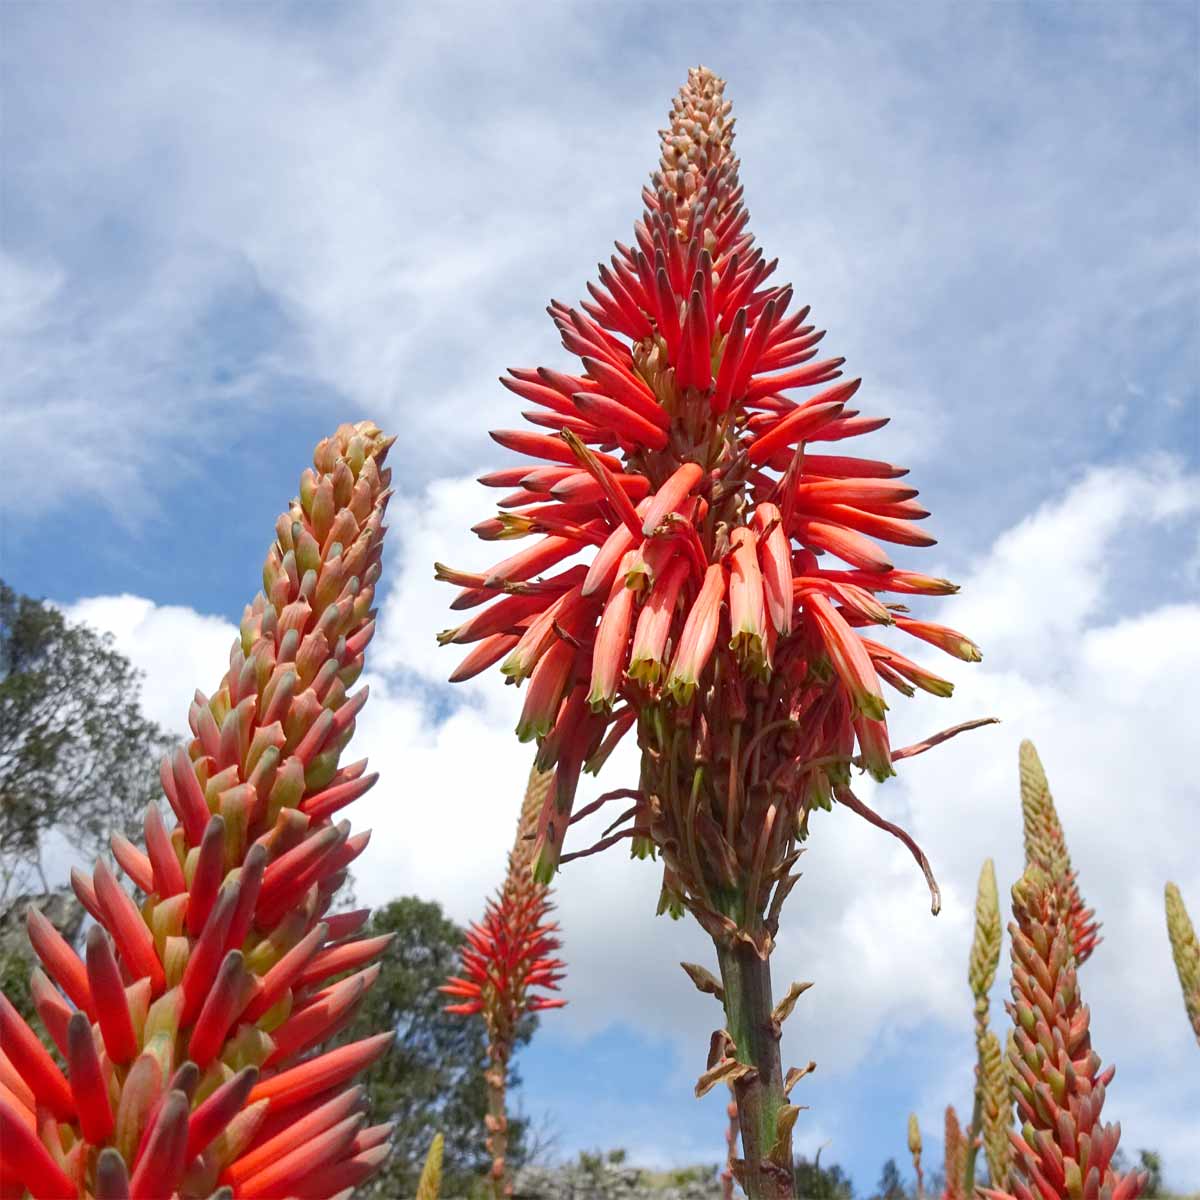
(1001, 244)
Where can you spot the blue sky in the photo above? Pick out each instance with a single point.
(226, 228)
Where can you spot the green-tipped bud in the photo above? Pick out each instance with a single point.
(995, 1109)
(985, 947)
(429, 1186)
(1185, 948)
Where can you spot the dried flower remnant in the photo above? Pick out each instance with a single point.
(1185, 949)
(506, 967)
(706, 617)
(189, 1027)
(1063, 1148)
(1046, 847)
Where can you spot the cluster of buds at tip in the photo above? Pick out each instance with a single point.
(507, 966)
(1046, 847)
(1063, 1148)
(188, 1029)
(706, 563)
(1185, 948)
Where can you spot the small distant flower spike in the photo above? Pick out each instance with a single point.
(1185, 948)
(691, 439)
(429, 1186)
(992, 1113)
(1063, 1148)
(1046, 846)
(996, 1107)
(176, 1051)
(955, 1157)
(507, 967)
(914, 1148)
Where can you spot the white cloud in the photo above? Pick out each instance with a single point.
(177, 649)
(1099, 693)
(400, 204)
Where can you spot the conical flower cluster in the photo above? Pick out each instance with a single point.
(1185, 948)
(189, 1028)
(992, 1117)
(1063, 1148)
(1046, 847)
(508, 965)
(955, 1157)
(705, 562)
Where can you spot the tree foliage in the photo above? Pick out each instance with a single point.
(815, 1182)
(432, 1079)
(76, 754)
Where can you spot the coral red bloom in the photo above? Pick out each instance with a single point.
(1063, 1147)
(193, 1011)
(508, 966)
(758, 558)
(683, 477)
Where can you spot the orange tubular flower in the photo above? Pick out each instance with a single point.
(507, 964)
(737, 657)
(188, 1047)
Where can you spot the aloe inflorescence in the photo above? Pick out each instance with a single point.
(190, 1029)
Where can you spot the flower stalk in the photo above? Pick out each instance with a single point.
(730, 564)
(190, 1030)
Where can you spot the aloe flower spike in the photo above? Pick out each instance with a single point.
(1063, 1148)
(729, 568)
(1185, 948)
(507, 966)
(226, 959)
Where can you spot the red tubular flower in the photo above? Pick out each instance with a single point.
(192, 1011)
(507, 967)
(746, 671)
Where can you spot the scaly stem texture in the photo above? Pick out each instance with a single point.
(189, 1031)
(766, 1164)
(706, 618)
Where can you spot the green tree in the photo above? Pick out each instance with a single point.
(815, 1182)
(890, 1186)
(76, 754)
(432, 1079)
(1150, 1161)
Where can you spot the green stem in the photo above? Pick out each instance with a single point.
(497, 1121)
(746, 979)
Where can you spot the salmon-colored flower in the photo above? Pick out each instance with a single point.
(686, 474)
(189, 1025)
(732, 556)
(1063, 1147)
(508, 967)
